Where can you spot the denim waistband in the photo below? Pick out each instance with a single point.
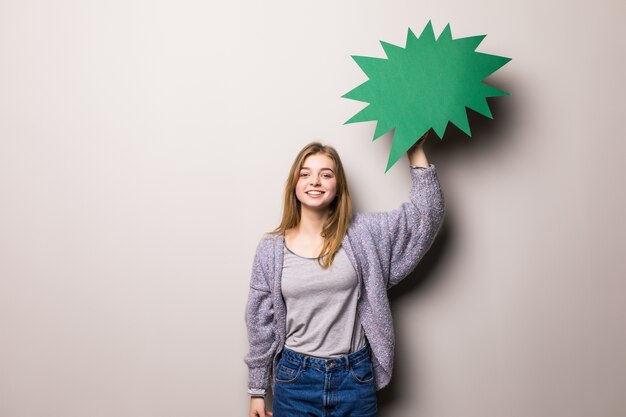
(326, 363)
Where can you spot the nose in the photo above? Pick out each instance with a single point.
(315, 180)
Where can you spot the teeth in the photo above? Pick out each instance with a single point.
(314, 192)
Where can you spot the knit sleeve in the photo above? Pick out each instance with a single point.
(413, 227)
(404, 235)
(259, 321)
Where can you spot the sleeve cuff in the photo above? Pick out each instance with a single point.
(256, 392)
(422, 168)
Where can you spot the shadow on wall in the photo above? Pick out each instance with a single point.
(487, 134)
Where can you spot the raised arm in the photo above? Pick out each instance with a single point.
(415, 225)
(398, 239)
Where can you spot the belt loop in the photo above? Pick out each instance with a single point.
(304, 358)
(347, 362)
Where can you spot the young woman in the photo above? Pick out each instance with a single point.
(318, 316)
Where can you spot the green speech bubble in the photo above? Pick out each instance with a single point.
(424, 86)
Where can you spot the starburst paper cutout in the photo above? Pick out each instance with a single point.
(424, 86)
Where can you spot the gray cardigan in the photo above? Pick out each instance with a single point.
(383, 247)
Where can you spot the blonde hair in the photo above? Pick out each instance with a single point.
(340, 210)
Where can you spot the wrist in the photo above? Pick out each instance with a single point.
(417, 157)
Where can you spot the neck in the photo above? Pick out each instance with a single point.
(312, 222)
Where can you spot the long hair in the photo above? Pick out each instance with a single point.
(340, 210)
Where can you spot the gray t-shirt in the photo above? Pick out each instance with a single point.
(322, 318)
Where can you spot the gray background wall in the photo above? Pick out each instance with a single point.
(143, 150)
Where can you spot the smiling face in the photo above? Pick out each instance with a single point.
(317, 183)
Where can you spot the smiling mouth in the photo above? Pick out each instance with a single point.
(314, 192)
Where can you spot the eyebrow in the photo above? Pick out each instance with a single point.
(322, 169)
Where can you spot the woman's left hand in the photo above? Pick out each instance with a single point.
(416, 154)
(420, 141)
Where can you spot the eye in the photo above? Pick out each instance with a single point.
(327, 176)
(304, 174)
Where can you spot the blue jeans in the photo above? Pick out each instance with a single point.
(305, 386)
